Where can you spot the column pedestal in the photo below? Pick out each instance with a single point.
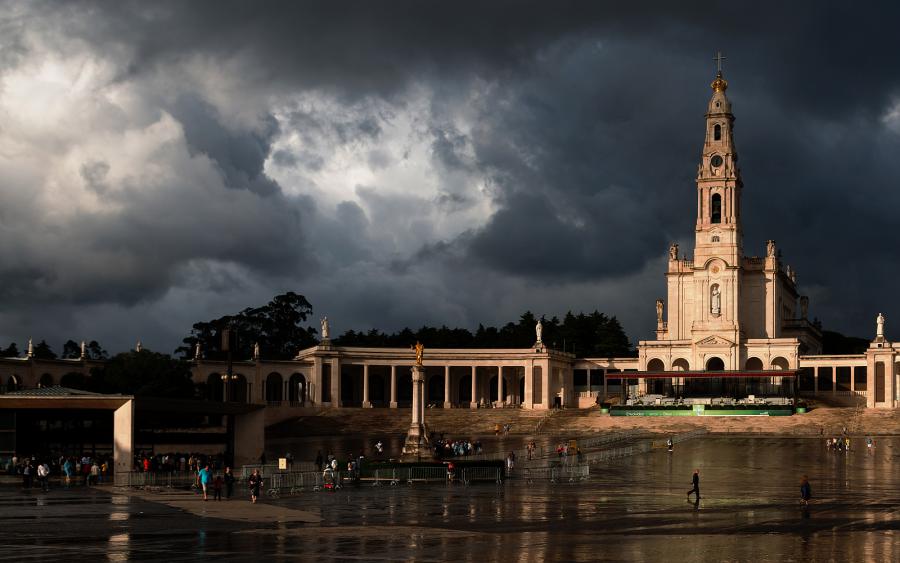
(417, 446)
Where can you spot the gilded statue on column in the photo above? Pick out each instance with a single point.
(420, 349)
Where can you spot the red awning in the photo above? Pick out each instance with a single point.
(698, 374)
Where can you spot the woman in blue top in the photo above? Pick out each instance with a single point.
(204, 477)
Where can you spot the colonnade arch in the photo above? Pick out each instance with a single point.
(753, 364)
(274, 387)
(298, 392)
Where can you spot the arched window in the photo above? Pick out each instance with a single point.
(717, 132)
(715, 209)
(715, 238)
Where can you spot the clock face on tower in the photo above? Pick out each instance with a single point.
(716, 161)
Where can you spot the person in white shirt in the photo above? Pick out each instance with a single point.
(43, 475)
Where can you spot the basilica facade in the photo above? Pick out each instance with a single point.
(727, 311)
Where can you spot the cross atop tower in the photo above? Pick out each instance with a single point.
(719, 58)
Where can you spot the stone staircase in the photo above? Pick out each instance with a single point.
(571, 421)
(330, 422)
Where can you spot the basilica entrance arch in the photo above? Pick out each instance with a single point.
(297, 390)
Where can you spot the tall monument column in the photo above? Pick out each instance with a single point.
(417, 446)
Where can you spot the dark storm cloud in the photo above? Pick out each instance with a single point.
(587, 127)
(240, 156)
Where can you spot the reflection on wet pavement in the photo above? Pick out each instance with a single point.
(631, 509)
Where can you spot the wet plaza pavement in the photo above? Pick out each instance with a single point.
(634, 508)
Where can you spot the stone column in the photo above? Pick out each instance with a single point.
(816, 380)
(528, 399)
(418, 380)
(474, 403)
(546, 401)
(833, 380)
(335, 382)
(393, 387)
(447, 402)
(852, 383)
(365, 401)
(604, 384)
(315, 382)
(416, 446)
(123, 442)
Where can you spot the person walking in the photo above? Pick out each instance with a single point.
(43, 475)
(69, 470)
(805, 491)
(228, 478)
(204, 477)
(27, 477)
(217, 487)
(695, 480)
(255, 485)
(95, 473)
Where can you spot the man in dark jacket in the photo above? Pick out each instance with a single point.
(696, 481)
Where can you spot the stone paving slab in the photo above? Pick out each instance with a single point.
(236, 509)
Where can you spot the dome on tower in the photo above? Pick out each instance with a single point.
(719, 102)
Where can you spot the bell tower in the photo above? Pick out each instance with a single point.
(718, 230)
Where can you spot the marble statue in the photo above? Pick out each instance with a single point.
(804, 306)
(715, 301)
(256, 351)
(770, 248)
(30, 348)
(420, 350)
(197, 351)
(138, 347)
(325, 331)
(673, 251)
(539, 330)
(879, 326)
(659, 311)
(83, 354)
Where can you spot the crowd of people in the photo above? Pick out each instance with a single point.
(71, 470)
(445, 447)
(147, 462)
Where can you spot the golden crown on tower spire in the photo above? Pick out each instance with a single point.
(719, 84)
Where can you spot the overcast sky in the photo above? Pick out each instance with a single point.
(410, 163)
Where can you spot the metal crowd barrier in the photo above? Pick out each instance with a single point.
(570, 473)
(173, 480)
(382, 476)
(427, 474)
(471, 474)
(297, 481)
(272, 468)
(561, 474)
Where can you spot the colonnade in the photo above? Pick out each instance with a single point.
(347, 382)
